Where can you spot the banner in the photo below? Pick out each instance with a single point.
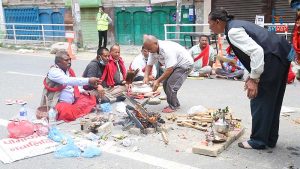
(16, 149)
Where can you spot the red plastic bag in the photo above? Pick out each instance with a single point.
(20, 129)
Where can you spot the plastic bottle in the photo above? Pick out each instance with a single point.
(52, 114)
(23, 112)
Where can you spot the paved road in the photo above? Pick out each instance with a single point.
(21, 76)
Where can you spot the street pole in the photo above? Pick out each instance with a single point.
(178, 18)
(76, 23)
(2, 18)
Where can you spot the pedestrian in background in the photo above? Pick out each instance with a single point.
(265, 55)
(103, 20)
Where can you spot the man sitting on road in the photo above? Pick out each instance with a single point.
(140, 63)
(61, 90)
(95, 69)
(232, 68)
(204, 56)
(114, 74)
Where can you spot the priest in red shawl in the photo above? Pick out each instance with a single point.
(62, 93)
(114, 74)
(204, 56)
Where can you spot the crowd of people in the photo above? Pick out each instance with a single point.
(263, 54)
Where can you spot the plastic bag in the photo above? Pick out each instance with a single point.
(20, 129)
(196, 109)
(121, 107)
(106, 107)
(55, 135)
(69, 150)
(41, 129)
(91, 151)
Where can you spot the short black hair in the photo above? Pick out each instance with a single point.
(100, 51)
(206, 36)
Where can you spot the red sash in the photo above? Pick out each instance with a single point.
(60, 88)
(110, 70)
(204, 54)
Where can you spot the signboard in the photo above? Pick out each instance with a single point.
(260, 20)
(191, 14)
(278, 28)
(161, 1)
(282, 28)
(16, 149)
(70, 35)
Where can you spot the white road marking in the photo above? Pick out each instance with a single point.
(152, 160)
(4, 122)
(25, 74)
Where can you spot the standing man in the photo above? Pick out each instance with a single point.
(178, 63)
(204, 56)
(103, 20)
(265, 55)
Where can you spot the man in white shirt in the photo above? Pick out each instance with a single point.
(61, 90)
(204, 56)
(140, 63)
(178, 64)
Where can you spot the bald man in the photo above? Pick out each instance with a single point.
(178, 64)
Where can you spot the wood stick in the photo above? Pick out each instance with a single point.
(185, 124)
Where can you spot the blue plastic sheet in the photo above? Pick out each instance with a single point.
(69, 150)
(55, 135)
(90, 152)
(106, 107)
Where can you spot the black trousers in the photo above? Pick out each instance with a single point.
(102, 34)
(266, 107)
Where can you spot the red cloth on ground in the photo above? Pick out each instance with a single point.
(205, 55)
(82, 106)
(111, 69)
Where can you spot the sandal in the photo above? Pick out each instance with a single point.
(168, 110)
(245, 145)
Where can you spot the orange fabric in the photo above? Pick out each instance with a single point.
(82, 106)
(204, 54)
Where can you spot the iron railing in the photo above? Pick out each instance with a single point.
(179, 36)
(18, 33)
